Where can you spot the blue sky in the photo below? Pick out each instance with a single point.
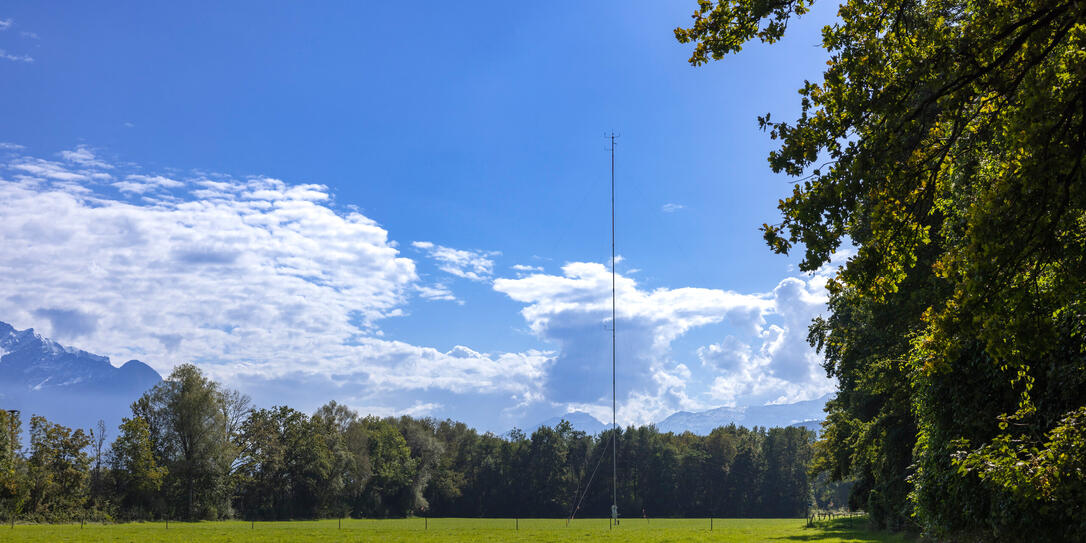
(406, 210)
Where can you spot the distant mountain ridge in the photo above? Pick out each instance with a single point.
(39, 376)
(807, 414)
(769, 416)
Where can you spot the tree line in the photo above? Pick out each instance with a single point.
(194, 450)
(945, 147)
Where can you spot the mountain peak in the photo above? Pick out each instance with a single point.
(68, 385)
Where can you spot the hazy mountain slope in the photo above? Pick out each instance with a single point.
(807, 414)
(38, 376)
(703, 422)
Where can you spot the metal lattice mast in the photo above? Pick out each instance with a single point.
(614, 323)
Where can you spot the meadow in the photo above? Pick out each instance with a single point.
(459, 530)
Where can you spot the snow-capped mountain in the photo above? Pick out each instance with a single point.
(38, 376)
(807, 412)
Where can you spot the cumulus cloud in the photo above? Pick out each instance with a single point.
(257, 280)
(573, 311)
(727, 356)
(473, 265)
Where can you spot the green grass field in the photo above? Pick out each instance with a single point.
(458, 531)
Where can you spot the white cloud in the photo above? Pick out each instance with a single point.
(783, 368)
(671, 208)
(15, 57)
(211, 265)
(418, 409)
(83, 156)
(47, 169)
(129, 186)
(585, 288)
(270, 287)
(728, 355)
(400, 366)
(140, 184)
(5, 24)
(254, 279)
(573, 311)
(473, 265)
(10, 146)
(436, 291)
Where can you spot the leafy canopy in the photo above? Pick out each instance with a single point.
(945, 143)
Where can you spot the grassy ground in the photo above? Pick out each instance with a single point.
(459, 531)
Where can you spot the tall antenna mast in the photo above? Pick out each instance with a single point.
(614, 322)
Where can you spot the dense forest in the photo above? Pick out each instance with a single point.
(195, 450)
(943, 154)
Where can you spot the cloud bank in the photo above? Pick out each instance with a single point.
(273, 288)
(255, 279)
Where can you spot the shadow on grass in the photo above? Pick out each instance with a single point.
(855, 529)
